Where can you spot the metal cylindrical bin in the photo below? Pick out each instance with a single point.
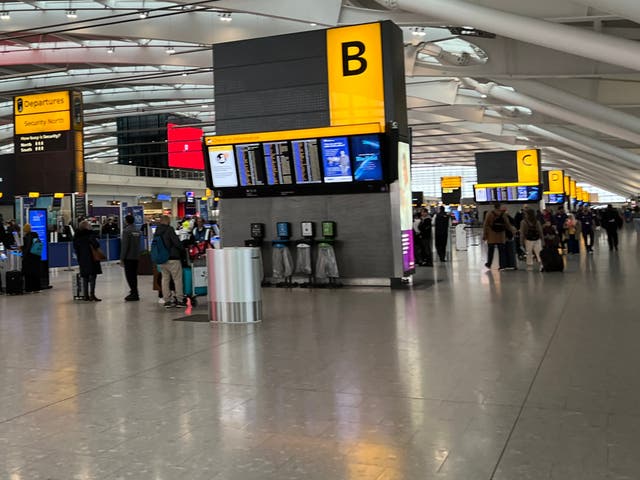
(235, 294)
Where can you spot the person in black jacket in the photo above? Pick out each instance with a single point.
(90, 268)
(31, 263)
(442, 234)
(611, 222)
(130, 256)
(172, 269)
(424, 237)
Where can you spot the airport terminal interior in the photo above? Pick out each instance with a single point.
(342, 315)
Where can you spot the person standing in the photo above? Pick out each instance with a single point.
(587, 226)
(31, 259)
(130, 256)
(531, 233)
(611, 222)
(85, 244)
(495, 225)
(636, 218)
(425, 238)
(442, 234)
(172, 268)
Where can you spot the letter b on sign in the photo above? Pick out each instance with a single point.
(352, 56)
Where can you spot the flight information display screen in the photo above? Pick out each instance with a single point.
(250, 165)
(277, 161)
(508, 194)
(306, 161)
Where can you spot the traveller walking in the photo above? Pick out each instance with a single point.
(531, 232)
(495, 225)
(612, 221)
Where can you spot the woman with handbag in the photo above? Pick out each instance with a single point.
(89, 256)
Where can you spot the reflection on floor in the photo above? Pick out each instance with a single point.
(484, 375)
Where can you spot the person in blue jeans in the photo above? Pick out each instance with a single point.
(496, 224)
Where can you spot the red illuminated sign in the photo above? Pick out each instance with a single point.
(185, 147)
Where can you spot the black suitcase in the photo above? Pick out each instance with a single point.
(551, 260)
(510, 254)
(78, 288)
(15, 284)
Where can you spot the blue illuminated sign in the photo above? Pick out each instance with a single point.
(38, 222)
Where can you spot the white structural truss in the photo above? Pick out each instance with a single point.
(559, 75)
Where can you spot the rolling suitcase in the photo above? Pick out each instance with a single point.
(15, 284)
(510, 254)
(551, 260)
(78, 288)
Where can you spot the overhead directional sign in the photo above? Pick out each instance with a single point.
(553, 181)
(508, 168)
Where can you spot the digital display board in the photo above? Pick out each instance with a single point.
(184, 147)
(555, 198)
(38, 222)
(306, 161)
(367, 158)
(250, 165)
(277, 162)
(222, 162)
(507, 194)
(336, 160)
(451, 190)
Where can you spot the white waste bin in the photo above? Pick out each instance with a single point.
(235, 293)
(461, 237)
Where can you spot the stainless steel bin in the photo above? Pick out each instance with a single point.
(235, 293)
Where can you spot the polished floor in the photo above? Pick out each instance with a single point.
(485, 375)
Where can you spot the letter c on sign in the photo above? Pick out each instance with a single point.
(353, 57)
(524, 160)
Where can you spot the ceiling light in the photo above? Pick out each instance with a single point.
(205, 106)
(5, 15)
(313, 24)
(225, 17)
(170, 50)
(143, 13)
(110, 49)
(184, 74)
(72, 14)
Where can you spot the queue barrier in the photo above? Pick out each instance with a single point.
(62, 254)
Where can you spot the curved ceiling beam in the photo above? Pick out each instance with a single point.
(625, 8)
(515, 98)
(576, 41)
(594, 147)
(577, 104)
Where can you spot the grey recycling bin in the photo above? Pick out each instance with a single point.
(235, 293)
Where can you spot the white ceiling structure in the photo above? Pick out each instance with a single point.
(559, 75)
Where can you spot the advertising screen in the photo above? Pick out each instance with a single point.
(306, 161)
(184, 145)
(367, 158)
(406, 210)
(556, 198)
(250, 165)
(38, 222)
(223, 166)
(336, 161)
(277, 161)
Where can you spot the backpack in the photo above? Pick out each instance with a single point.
(498, 224)
(36, 247)
(159, 251)
(532, 233)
